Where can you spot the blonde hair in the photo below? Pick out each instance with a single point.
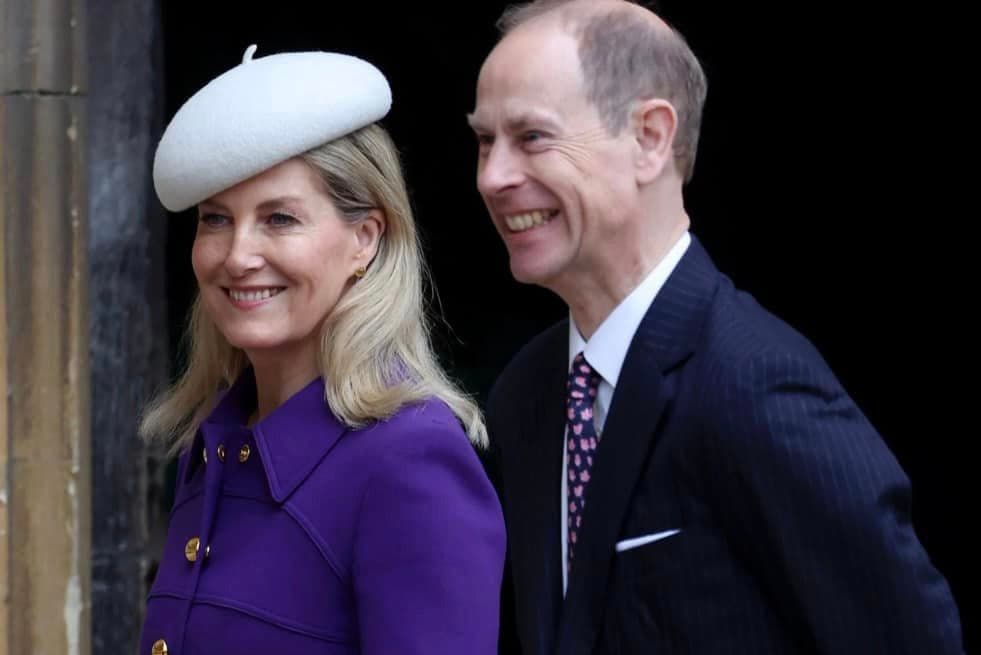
(375, 354)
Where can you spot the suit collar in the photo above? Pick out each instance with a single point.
(292, 440)
(607, 347)
(675, 320)
(665, 338)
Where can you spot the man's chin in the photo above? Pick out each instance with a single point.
(529, 273)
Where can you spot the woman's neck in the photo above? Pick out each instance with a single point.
(277, 379)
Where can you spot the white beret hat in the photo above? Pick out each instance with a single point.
(259, 114)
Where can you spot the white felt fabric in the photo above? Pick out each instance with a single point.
(259, 114)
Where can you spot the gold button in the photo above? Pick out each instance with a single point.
(159, 647)
(204, 454)
(243, 453)
(221, 452)
(191, 549)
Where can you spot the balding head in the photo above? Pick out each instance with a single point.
(570, 12)
(627, 53)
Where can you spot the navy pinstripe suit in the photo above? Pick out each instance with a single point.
(726, 424)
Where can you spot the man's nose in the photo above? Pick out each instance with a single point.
(499, 170)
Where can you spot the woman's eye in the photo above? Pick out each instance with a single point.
(213, 220)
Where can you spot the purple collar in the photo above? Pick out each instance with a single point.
(292, 440)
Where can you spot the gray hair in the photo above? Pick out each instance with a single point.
(624, 58)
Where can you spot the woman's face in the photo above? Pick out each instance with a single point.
(272, 257)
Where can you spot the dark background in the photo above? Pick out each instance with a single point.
(817, 189)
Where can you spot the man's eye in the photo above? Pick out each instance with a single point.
(280, 219)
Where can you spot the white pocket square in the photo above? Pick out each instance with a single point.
(628, 544)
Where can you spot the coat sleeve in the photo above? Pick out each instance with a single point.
(821, 510)
(429, 549)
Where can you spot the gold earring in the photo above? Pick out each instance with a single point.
(360, 272)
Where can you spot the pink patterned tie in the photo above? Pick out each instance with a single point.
(581, 441)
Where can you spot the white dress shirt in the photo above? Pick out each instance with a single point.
(605, 352)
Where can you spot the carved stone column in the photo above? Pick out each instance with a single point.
(45, 470)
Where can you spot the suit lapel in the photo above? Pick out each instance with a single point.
(534, 537)
(664, 340)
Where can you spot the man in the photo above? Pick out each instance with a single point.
(681, 472)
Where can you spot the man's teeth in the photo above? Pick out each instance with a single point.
(522, 222)
(253, 296)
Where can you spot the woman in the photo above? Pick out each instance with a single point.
(328, 498)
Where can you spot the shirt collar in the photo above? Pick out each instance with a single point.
(607, 348)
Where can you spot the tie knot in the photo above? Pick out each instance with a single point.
(583, 379)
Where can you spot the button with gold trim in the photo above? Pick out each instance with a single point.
(159, 647)
(221, 452)
(191, 549)
(243, 453)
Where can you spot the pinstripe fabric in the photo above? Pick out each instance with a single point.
(726, 424)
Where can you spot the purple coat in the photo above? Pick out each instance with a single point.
(317, 538)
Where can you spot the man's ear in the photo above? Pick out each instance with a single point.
(654, 124)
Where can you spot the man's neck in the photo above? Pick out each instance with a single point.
(595, 290)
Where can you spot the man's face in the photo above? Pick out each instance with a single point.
(555, 181)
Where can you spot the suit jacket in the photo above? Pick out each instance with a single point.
(793, 517)
(303, 536)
